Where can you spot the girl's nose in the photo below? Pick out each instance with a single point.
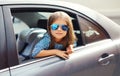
(59, 28)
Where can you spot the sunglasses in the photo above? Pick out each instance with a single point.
(55, 27)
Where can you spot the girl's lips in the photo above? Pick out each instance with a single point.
(58, 33)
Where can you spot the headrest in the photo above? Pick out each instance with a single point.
(42, 23)
(29, 35)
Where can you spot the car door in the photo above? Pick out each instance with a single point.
(95, 62)
(96, 56)
(4, 69)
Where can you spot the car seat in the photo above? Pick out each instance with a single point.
(27, 40)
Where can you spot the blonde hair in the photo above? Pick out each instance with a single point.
(70, 37)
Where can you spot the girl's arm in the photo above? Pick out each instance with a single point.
(52, 52)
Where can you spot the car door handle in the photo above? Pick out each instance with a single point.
(106, 59)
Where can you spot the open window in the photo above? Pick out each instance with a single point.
(31, 24)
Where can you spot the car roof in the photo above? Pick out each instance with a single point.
(73, 6)
(47, 2)
(3, 2)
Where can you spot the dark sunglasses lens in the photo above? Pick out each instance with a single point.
(64, 27)
(54, 26)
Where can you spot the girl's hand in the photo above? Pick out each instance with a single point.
(69, 49)
(61, 54)
(51, 52)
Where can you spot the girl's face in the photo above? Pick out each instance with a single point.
(61, 30)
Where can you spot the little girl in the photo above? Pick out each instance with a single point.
(59, 39)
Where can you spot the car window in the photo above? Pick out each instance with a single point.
(45, 14)
(19, 25)
(91, 32)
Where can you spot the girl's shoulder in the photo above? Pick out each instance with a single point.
(44, 40)
(46, 35)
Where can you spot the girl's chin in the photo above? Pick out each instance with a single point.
(58, 38)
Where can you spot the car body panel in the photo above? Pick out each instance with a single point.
(12, 53)
(90, 60)
(99, 58)
(5, 72)
(3, 59)
(3, 46)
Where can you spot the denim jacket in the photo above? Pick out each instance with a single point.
(43, 44)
